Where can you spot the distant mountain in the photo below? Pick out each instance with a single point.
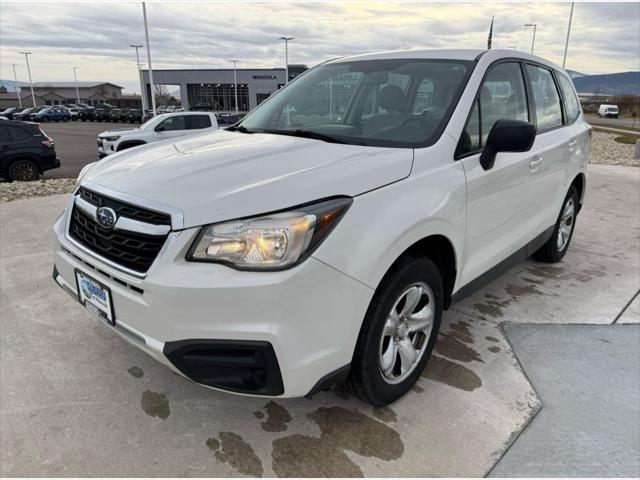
(10, 85)
(625, 83)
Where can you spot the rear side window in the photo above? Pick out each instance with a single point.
(196, 122)
(18, 134)
(502, 97)
(572, 106)
(545, 97)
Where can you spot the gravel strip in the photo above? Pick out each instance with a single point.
(41, 188)
(604, 150)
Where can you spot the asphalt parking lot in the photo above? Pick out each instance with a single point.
(76, 144)
(77, 400)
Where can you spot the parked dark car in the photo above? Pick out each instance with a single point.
(226, 119)
(23, 115)
(86, 114)
(134, 115)
(34, 112)
(25, 151)
(148, 114)
(202, 107)
(10, 112)
(119, 115)
(102, 113)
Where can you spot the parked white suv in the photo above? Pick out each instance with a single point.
(321, 238)
(161, 127)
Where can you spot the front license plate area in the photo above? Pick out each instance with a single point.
(95, 296)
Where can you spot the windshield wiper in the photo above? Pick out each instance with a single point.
(306, 134)
(239, 128)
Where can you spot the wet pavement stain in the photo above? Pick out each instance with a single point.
(258, 414)
(532, 280)
(418, 389)
(492, 339)
(303, 456)
(352, 430)
(155, 404)
(452, 348)
(277, 418)
(232, 449)
(340, 391)
(461, 330)
(386, 414)
(494, 349)
(517, 291)
(135, 372)
(545, 271)
(493, 308)
(441, 370)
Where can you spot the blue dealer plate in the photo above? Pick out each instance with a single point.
(95, 296)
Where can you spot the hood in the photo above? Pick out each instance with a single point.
(121, 131)
(226, 175)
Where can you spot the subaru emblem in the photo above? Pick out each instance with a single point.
(106, 217)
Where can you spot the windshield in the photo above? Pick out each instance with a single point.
(399, 102)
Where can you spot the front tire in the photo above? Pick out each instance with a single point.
(556, 247)
(398, 333)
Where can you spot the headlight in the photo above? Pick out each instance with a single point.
(270, 242)
(111, 139)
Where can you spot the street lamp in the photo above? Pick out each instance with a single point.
(286, 56)
(33, 96)
(15, 77)
(144, 102)
(566, 45)
(75, 77)
(146, 35)
(235, 82)
(533, 41)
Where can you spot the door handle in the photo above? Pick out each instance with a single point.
(534, 164)
(572, 143)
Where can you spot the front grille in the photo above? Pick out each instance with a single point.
(135, 251)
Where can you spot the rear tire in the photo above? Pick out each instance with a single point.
(65, 119)
(398, 333)
(556, 247)
(23, 170)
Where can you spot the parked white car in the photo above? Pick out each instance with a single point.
(608, 111)
(160, 127)
(321, 238)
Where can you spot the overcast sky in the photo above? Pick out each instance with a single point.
(605, 37)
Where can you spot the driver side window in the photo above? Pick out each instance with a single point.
(502, 96)
(172, 123)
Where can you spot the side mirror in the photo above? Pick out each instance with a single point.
(507, 136)
(160, 128)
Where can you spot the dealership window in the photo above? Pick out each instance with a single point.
(261, 97)
(219, 97)
(545, 97)
(502, 96)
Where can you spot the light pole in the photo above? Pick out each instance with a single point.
(566, 44)
(15, 77)
(75, 77)
(533, 41)
(142, 95)
(33, 97)
(286, 56)
(146, 36)
(235, 82)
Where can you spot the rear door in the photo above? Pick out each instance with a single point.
(552, 147)
(197, 122)
(500, 205)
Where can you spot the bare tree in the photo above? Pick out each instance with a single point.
(162, 94)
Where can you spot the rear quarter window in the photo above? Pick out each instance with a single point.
(18, 134)
(572, 105)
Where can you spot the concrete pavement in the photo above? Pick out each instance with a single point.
(76, 400)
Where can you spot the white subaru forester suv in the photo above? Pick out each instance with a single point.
(321, 238)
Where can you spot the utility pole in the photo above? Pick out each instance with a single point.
(146, 35)
(286, 56)
(533, 41)
(15, 77)
(142, 92)
(75, 77)
(566, 44)
(235, 82)
(33, 96)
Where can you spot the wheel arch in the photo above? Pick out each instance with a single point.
(440, 250)
(579, 182)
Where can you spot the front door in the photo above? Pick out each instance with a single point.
(500, 204)
(171, 127)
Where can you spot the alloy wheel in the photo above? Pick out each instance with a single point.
(406, 333)
(566, 224)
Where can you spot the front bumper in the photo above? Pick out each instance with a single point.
(310, 316)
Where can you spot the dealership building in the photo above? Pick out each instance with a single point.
(214, 88)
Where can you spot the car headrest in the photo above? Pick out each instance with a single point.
(392, 98)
